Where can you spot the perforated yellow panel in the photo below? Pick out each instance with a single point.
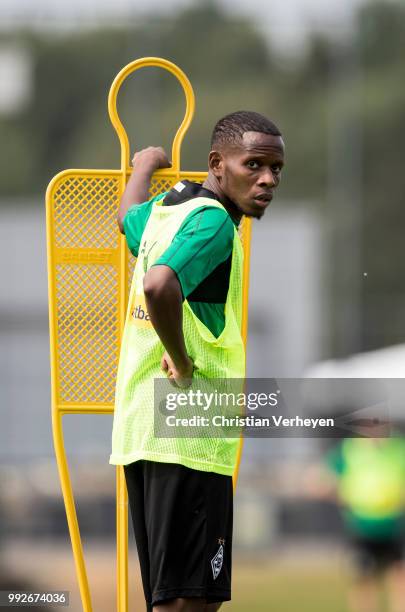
(84, 210)
(87, 272)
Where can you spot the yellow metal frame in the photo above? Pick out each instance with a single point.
(89, 270)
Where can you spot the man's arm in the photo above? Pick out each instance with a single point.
(204, 241)
(164, 302)
(145, 163)
(162, 289)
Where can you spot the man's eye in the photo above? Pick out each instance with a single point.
(253, 164)
(276, 168)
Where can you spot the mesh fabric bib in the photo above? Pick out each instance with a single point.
(141, 352)
(373, 483)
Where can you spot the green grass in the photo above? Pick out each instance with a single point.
(288, 587)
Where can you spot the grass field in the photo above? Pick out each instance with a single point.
(298, 581)
(286, 586)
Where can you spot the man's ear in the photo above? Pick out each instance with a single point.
(215, 163)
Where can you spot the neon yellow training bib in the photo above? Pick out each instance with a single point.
(141, 352)
(372, 485)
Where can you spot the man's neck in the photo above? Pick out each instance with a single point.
(213, 185)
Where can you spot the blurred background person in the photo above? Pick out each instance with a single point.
(368, 476)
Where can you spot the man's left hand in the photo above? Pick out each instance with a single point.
(179, 376)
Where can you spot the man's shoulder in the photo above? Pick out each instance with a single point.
(184, 191)
(135, 222)
(189, 191)
(140, 210)
(209, 219)
(137, 215)
(213, 212)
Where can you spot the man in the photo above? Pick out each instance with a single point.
(184, 318)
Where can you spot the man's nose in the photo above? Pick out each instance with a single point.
(267, 178)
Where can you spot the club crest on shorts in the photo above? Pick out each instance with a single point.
(217, 561)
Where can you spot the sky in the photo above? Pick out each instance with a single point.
(286, 20)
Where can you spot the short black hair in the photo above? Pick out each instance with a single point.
(230, 129)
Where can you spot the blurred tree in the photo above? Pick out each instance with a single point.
(381, 32)
(381, 40)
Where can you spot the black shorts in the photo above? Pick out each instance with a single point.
(371, 555)
(182, 521)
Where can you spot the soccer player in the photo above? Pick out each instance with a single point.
(184, 321)
(369, 478)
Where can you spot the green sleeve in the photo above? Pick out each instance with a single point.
(204, 240)
(135, 221)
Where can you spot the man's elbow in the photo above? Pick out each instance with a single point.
(149, 286)
(160, 280)
(153, 284)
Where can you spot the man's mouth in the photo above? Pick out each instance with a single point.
(264, 198)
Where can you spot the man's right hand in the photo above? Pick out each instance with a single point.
(145, 162)
(152, 158)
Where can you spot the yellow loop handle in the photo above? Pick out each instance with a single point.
(145, 62)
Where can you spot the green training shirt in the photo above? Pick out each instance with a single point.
(200, 254)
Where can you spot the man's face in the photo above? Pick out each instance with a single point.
(249, 173)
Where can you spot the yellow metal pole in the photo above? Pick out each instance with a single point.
(115, 120)
(122, 541)
(247, 235)
(70, 510)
